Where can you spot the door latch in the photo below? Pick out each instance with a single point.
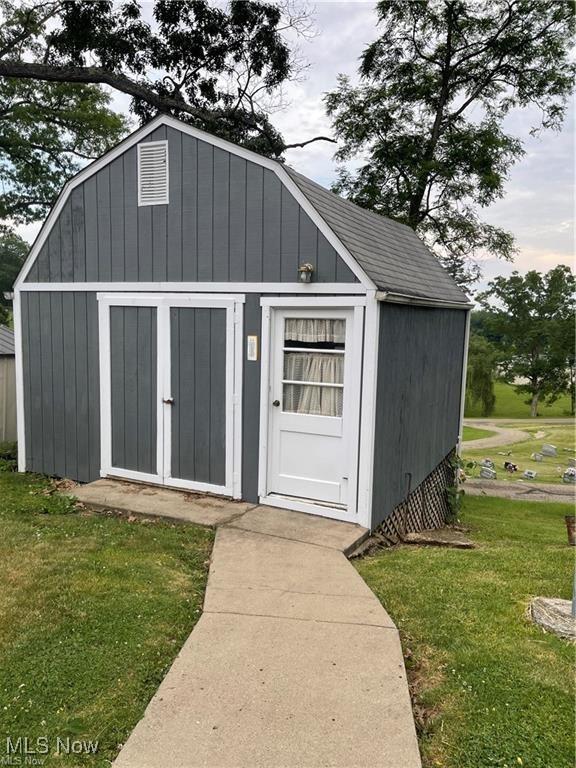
(168, 400)
(276, 403)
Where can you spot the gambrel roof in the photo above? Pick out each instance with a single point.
(390, 253)
(382, 254)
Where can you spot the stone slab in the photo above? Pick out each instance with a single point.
(299, 526)
(439, 537)
(254, 692)
(159, 503)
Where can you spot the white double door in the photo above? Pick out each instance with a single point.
(314, 405)
(170, 371)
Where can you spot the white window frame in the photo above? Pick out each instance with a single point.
(359, 507)
(234, 340)
(147, 144)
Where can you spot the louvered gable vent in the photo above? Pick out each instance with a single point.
(153, 173)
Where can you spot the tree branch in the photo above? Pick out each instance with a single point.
(163, 103)
(299, 144)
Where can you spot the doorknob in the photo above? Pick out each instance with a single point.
(168, 400)
(276, 403)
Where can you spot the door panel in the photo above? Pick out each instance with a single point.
(308, 413)
(133, 379)
(198, 387)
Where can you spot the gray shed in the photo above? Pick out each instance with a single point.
(7, 386)
(197, 316)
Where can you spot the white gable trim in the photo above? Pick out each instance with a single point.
(246, 154)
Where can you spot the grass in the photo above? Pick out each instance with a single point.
(94, 609)
(492, 690)
(548, 471)
(511, 405)
(473, 433)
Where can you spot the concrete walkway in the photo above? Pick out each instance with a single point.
(293, 663)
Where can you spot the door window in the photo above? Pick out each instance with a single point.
(313, 372)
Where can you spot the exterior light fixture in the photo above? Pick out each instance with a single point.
(8, 296)
(305, 272)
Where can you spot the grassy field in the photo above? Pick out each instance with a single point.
(94, 609)
(492, 690)
(510, 405)
(473, 433)
(548, 471)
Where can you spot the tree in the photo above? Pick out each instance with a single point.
(534, 317)
(197, 60)
(426, 118)
(13, 250)
(47, 130)
(482, 363)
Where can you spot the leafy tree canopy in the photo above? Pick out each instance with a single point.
(482, 363)
(197, 60)
(13, 250)
(533, 316)
(204, 63)
(426, 118)
(47, 130)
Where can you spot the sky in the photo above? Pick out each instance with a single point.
(538, 205)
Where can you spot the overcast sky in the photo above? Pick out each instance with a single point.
(538, 204)
(538, 207)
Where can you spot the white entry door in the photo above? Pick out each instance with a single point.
(314, 405)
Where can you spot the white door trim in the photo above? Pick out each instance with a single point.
(352, 513)
(234, 358)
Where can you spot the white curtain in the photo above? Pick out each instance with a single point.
(312, 366)
(315, 330)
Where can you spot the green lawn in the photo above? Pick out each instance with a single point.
(510, 405)
(548, 471)
(94, 609)
(473, 433)
(492, 690)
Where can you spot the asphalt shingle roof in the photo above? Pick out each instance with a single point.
(391, 254)
(6, 341)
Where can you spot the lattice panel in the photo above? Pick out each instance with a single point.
(425, 507)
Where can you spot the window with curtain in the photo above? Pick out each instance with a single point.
(313, 380)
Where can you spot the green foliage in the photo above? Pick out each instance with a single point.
(426, 118)
(8, 457)
(94, 610)
(13, 250)
(482, 365)
(491, 688)
(533, 315)
(210, 64)
(47, 131)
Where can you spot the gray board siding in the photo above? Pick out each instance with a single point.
(418, 398)
(228, 219)
(61, 384)
(198, 370)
